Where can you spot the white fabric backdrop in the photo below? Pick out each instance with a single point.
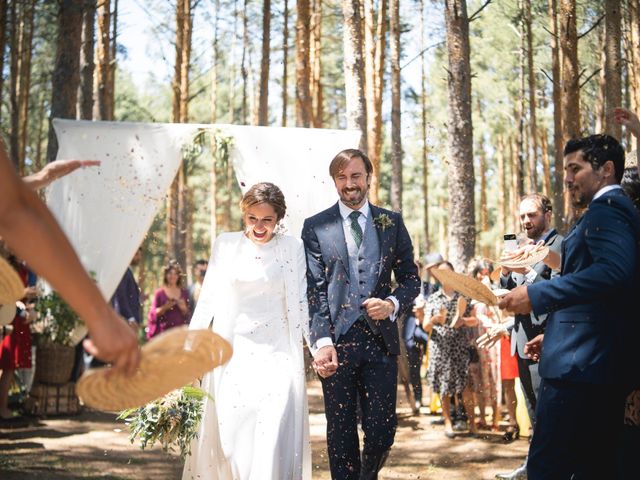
(106, 211)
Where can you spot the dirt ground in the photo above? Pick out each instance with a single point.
(94, 445)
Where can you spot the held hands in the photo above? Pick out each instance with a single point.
(325, 361)
(379, 309)
(113, 341)
(516, 301)
(533, 348)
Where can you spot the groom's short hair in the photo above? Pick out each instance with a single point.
(345, 156)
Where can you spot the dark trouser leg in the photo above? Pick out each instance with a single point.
(576, 431)
(530, 383)
(414, 355)
(340, 402)
(377, 384)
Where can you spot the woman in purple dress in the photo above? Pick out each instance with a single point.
(170, 307)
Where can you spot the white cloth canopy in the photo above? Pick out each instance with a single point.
(106, 211)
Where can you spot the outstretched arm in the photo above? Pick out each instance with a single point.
(54, 170)
(33, 234)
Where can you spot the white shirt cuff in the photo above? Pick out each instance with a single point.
(530, 276)
(322, 342)
(396, 304)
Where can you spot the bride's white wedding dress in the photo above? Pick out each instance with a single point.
(255, 426)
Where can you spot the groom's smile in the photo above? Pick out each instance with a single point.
(352, 183)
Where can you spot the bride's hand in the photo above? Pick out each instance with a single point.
(325, 361)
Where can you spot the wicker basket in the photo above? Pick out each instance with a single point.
(54, 364)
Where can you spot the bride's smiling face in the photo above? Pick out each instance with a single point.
(260, 221)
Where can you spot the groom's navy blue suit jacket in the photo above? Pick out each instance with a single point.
(592, 334)
(328, 271)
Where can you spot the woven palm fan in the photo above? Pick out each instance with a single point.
(495, 275)
(11, 287)
(533, 258)
(456, 321)
(169, 361)
(465, 285)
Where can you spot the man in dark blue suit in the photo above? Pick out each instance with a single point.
(586, 357)
(352, 249)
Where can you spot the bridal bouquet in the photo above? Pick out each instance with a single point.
(172, 420)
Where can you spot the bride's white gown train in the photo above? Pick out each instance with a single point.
(255, 426)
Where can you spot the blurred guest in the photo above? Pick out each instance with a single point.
(15, 349)
(448, 369)
(199, 271)
(170, 307)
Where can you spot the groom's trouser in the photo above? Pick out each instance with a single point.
(366, 374)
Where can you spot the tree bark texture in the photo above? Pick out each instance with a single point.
(425, 152)
(613, 65)
(533, 127)
(66, 73)
(244, 64)
(24, 86)
(461, 180)
(3, 43)
(354, 69)
(263, 102)
(102, 74)
(285, 63)
(85, 91)
(303, 67)
(570, 71)
(315, 61)
(558, 174)
(14, 78)
(374, 58)
(214, 82)
(396, 126)
(114, 64)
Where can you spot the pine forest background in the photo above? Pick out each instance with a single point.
(464, 105)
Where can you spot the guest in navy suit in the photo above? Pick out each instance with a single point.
(352, 248)
(586, 360)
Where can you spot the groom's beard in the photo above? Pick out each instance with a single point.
(353, 197)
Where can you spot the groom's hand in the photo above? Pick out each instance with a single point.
(379, 309)
(325, 361)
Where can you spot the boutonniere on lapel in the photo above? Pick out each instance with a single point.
(383, 221)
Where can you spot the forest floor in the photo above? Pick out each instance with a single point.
(95, 445)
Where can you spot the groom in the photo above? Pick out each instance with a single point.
(352, 248)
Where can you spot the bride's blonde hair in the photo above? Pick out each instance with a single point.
(265, 192)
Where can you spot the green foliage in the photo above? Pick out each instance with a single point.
(172, 421)
(56, 320)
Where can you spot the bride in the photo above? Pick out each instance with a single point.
(255, 425)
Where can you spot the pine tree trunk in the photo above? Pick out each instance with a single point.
(374, 57)
(232, 65)
(66, 73)
(24, 87)
(523, 157)
(85, 91)
(600, 106)
(425, 157)
(40, 133)
(354, 69)
(263, 102)
(570, 71)
(396, 129)
(14, 81)
(285, 63)
(546, 166)
(244, 69)
(558, 144)
(102, 74)
(461, 180)
(502, 197)
(214, 77)
(613, 65)
(315, 61)
(533, 128)
(112, 59)
(515, 183)
(634, 48)
(303, 67)
(3, 43)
